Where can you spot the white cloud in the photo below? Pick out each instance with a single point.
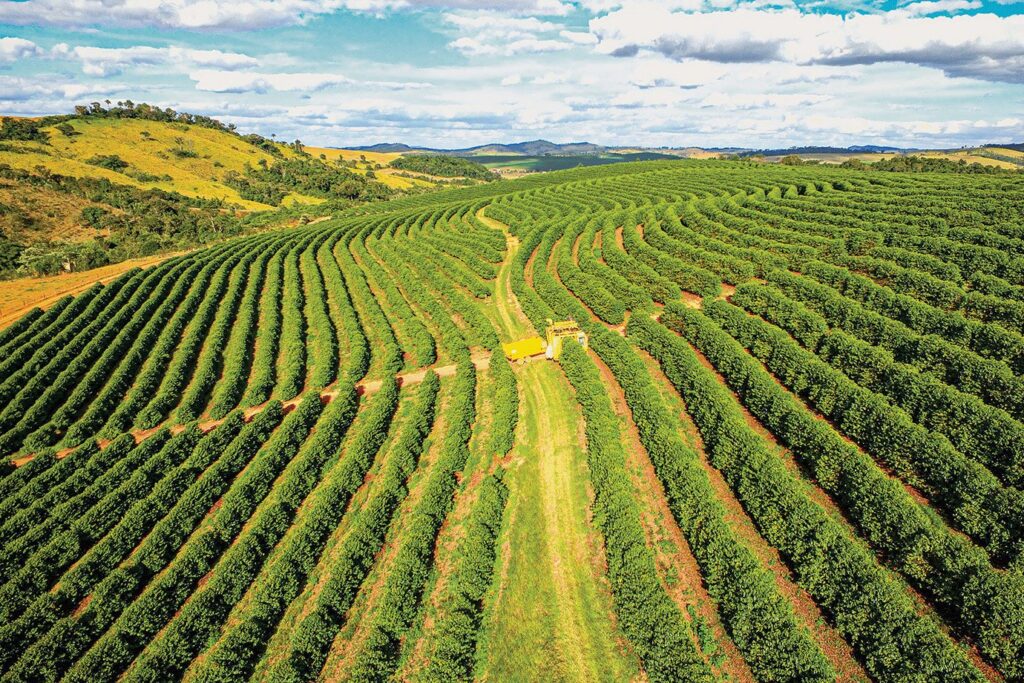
(187, 14)
(983, 46)
(746, 101)
(474, 47)
(494, 33)
(928, 7)
(232, 15)
(495, 25)
(211, 80)
(13, 49)
(16, 89)
(579, 37)
(602, 6)
(104, 61)
(512, 79)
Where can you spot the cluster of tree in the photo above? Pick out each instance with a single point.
(917, 164)
(443, 166)
(147, 112)
(139, 222)
(270, 183)
(30, 130)
(111, 162)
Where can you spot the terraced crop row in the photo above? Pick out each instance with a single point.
(791, 452)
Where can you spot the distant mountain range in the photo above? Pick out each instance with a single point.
(588, 153)
(546, 147)
(530, 148)
(810, 149)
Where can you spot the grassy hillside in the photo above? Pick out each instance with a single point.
(188, 159)
(387, 168)
(995, 157)
(105, 185)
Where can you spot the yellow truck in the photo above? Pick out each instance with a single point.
(550, 346)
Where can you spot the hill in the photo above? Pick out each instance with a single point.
(443, 166)
(788, 448)
(107, 184)
(528, 148)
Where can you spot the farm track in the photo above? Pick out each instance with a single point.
(18, 297)
(713, 506)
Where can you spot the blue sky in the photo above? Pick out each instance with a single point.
(757, 73)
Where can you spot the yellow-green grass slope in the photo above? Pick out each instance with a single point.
(195, 158)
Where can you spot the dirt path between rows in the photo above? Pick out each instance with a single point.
(678, 569)
(552, 611)
(514, 323)
(19, 296)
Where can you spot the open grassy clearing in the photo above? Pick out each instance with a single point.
(551, 615)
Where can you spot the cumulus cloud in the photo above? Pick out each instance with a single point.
(870, 128)
(474, 47)
(13, 49)
(17, 89)
(579, 37)
(229, 14)
(105, 61)
(983, 46)
(745, 101)
(212, 80)
(498, 26)
(928, 7)
(493, 33)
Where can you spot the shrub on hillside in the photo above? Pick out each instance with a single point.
(442, 165)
